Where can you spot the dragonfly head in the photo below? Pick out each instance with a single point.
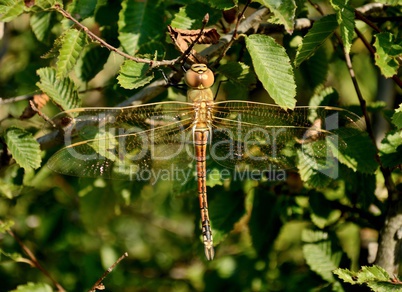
(199, 76)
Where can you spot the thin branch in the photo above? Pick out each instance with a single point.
(107, 272)
(363, 18)
(191, 46)
(34, 260)
(94, 37)
(14, 99)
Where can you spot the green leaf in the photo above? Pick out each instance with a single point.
(190, 16)
(284, 11)
(10, 9)
(133, 75)
(47, 4)
(373, 273)
(397, 117)
(41, 25)
(387, 53)
(374, 277)
(139, 23)
(359, 154)
(385, 286)
(239, 80)
(346, 275)
(5, 225)
(346, 20)
(33, 287)
(324, 96)
(314, 71)
(72, 45)
(82, 9)
(272, 66)
(13, 256)
(63, 92)
(322, 255)
(391, 149)
(24, 148)
(390, 2)
(321, 30)
(93, 59)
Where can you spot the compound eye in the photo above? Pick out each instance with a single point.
(199, 76)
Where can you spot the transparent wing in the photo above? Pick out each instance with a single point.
(262, 135)
(124, 143)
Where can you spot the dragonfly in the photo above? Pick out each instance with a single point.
(130, 142)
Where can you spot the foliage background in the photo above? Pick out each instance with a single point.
(272, 235)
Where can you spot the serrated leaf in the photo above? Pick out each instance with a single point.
(62, 91)
(10, 9)
(82, 9)
(374, 277)
(373, 273)
(397, 117)
(133, 75)
(387, 52)
(24, 148)
(384, 287)
(139, 23)
(92, 61)
(72, 44)
(188, 16)
(41, 25)
(5, 225)
(346, 20)
(239, 80)
(47, 4)
(346, 275)
(315, 69)
(391, 149)
(321, 30)
(359, 154)
(323, 257)
(33, 287)
(272, 66)
(284, 11)
(324, 96)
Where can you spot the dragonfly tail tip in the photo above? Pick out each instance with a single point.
(209, 252)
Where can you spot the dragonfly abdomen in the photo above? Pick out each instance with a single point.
(201, 138)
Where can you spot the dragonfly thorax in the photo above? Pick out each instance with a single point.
(199, 77)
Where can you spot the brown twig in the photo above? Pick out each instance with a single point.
(191, 46)
(35, 261)
(98, 283)
(14, 99)
(94, 37)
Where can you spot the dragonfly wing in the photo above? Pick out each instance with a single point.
(262, 135)
(122, 143)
